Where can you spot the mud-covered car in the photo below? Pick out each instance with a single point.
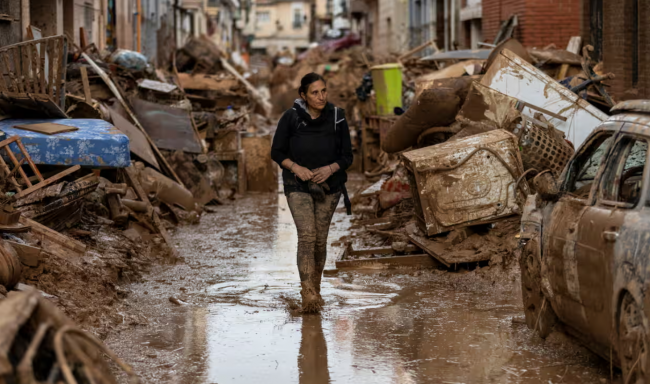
(585, 260)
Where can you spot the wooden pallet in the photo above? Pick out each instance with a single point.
(388, 260)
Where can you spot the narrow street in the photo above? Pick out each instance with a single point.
(377, 327)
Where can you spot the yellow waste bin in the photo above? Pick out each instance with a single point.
(387, 82)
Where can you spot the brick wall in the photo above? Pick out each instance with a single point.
(496, 11)
(618, 49)
(541, 22)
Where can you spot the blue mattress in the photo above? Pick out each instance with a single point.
(97, 143)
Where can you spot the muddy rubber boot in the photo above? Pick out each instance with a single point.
(317, 281)
(310, 298)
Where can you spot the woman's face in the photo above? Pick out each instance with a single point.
(316, 96)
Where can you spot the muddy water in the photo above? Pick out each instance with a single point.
(377, 327)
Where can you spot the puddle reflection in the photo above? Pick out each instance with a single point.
(312, 357)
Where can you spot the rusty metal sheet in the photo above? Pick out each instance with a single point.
(138, 143)
(465, 182)
(169, 127)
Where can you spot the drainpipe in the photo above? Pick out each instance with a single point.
(446, 24)
(452, 15)
(139, 26)
(25, 20)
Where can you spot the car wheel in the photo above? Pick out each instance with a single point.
(632, 341)
(538, 311)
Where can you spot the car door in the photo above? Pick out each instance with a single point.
(599, 231)
(559, 266)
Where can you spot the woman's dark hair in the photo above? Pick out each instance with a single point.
(308, 80)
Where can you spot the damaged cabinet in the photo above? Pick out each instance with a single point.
(466, 182)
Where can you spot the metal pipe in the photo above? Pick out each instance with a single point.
(139, 26)
(446, 24)
(452, 15)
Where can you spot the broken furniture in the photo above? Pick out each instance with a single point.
(24, 155)
(32, 77)
(39, 342)
(514, 77)
(466, 182)
(96, 143)
(235, 169)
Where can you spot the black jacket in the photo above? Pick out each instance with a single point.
(313, 143)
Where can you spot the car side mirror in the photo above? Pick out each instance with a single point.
(546, 185)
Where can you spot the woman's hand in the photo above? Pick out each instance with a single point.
(323, 173)
(303, 173)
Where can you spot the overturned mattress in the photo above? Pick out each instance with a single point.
(96, 143)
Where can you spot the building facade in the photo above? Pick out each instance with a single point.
(618, 30)
(276, 25)
(540, 22)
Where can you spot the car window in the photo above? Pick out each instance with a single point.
(584, 168)
(623, 175)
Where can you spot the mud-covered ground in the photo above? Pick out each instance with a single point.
(399, 326)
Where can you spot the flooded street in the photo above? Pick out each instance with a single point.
(377, 327)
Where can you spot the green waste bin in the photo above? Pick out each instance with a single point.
(387, 82)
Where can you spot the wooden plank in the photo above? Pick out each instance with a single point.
(7, 171)
(3, 84)
(17, 165)
(202, 82)
(417, 261)
(47, 182)
(28, 255)
(574, 47)
(86, 85)
(47, 128)
(54, 236)
(50, 75)
(380, 251)
(132, 179)
(36, 69)
(12, 76)
(83, 37)
(23, 150)
(385, 219)
(60, 72)
(19, 74)
(25, 61)
(415, 50)
(119, 97)
(431, 247)
(43, 68)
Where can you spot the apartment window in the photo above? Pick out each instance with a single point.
(263, 17)
(297, 18)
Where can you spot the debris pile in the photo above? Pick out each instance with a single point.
(41, 344)
(100, 155)
(480, 136)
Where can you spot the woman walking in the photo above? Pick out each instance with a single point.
(312, 145)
